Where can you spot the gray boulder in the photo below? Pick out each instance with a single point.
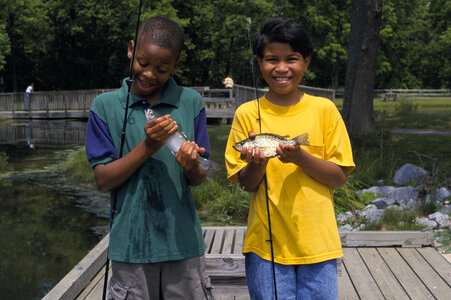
(410, 172)
(346, 227)
(403, 195)
(372, 213)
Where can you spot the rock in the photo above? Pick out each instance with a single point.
(343, 218)
(372, 213)
(346, 227)
(378, 190)
(410, 172)
(402, 195)
(410, 204)
(426, 222)
(442, 193)
(439, 218)
(381, 203)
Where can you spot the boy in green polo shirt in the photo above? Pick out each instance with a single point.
(156, 243)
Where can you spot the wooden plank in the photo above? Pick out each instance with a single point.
(438, 262)
(407, 278)
(386, 238)
(231, 265)
(77, 279)
(360, 276)
(436, 285)
(98, 279)
(95, 288)
(230, 288)
(346, 290)
(239, 240)
(229, 241)
(216, 247)
(385, 280)
(208, 237)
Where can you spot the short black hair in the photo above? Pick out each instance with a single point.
(162, 32)
(283, 30)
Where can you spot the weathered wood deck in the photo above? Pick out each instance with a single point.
(376, 265)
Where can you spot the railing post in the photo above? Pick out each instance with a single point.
(13, 105)
(65, 104)
(30, 109)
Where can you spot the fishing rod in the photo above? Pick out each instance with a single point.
(265, 180)
(121, 149)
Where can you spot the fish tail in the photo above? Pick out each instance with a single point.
(302, 140)
(208, 166)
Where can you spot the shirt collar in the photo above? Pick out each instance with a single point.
(171, 94)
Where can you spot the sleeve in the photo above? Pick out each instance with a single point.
(99, 143)
(338, 146)
(238, 132)
(201, 133)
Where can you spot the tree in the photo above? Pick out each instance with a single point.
(361, 67)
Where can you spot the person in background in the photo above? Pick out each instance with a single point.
(228, 82)
(299, 180)
(156, 242)
(28, 91)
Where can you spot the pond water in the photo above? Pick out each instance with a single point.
(47, 222)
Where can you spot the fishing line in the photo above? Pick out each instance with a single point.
(265, 180)
(121, 149)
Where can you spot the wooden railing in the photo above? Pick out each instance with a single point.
(220, 103)
(50, 104)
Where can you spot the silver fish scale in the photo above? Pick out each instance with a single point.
(268, 144)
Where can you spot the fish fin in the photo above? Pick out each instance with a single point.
(302, 140)
(282, 137)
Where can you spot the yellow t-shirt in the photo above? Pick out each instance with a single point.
(302, 212)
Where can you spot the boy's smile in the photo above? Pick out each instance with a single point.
(151, 69)
(282, 69)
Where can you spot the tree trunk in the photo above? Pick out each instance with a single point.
(357, 110)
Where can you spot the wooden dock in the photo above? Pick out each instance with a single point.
(376, 265)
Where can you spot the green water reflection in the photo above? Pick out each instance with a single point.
(44, 228)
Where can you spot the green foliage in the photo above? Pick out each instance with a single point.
(219, 200)
(41, 40)
(345, 198)
(78, 167)
(395, 219)
(5, 46)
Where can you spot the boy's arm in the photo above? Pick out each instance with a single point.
(325, 172)
(112, 175)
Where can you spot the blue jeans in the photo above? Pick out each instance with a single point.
(313, 281)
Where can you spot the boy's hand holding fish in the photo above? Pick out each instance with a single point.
(158, 130)
(187, 157)
(251, 154)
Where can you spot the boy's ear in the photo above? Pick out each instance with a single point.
(307, 61)
(259, 60)
(177, 64)
(131, 44)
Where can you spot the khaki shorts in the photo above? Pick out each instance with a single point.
(179, 279)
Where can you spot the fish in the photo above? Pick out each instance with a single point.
(175, 141)
(268, 142)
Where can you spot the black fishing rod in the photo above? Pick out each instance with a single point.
(265, 180)
(121, 149)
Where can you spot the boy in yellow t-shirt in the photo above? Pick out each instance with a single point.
(306, 242)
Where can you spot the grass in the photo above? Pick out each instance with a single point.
(377, 157)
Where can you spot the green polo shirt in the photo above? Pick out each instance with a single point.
(157, 219)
